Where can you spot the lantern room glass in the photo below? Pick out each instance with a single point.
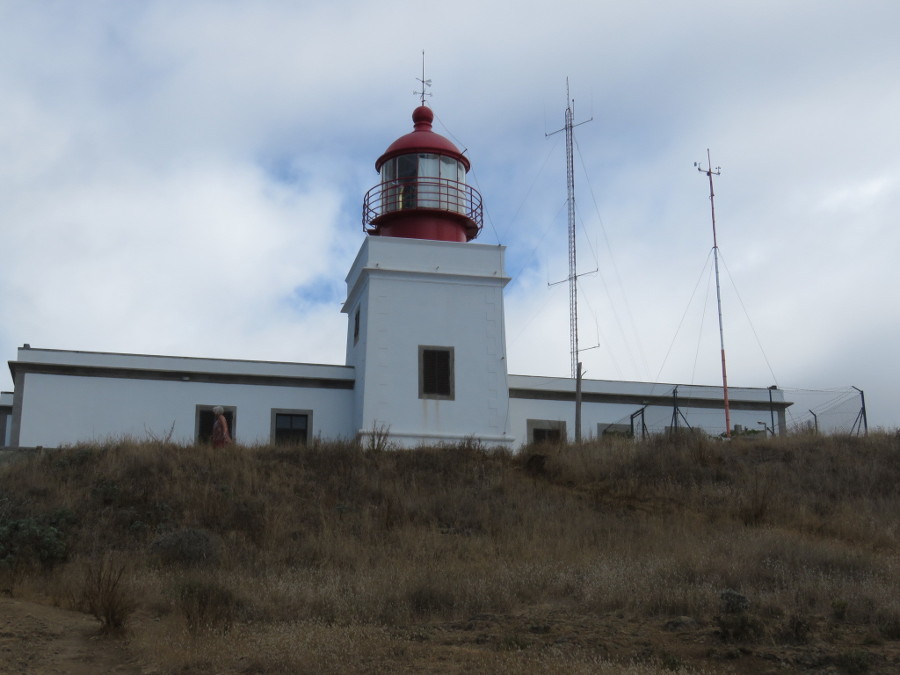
(423, 180)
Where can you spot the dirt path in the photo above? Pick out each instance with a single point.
(39, 639)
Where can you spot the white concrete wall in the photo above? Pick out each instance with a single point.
(656, 417)
(145, 396)
(427, 293)
(64, 409)
(6, 402)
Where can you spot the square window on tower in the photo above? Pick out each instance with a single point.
(436, 373)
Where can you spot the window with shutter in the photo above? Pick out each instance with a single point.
(436, 372)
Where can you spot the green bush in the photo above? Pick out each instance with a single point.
(30, 541)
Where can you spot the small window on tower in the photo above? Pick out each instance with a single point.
(436, 373)
(356, 326)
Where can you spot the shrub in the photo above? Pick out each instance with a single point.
(839, 609)
(336, 541)
(888, 623)
(854, 663)
(28, 541)
(188, 547)
(755, 502)
(427, 599)
(207, 605)
(104, 595)
(796, 630)
(741, 627)
(106, 491)
(732, 602)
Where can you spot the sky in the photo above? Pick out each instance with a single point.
(186, 178)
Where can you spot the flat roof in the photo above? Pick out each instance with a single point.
(643, 393)
(150, 366)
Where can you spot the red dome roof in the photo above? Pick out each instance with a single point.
(422, 139)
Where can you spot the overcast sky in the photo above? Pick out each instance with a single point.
(186, 178)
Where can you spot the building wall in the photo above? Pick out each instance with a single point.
(94, 396)
(6, 403)
(413, 293)
(535, 400)
(60, 409)
(611, 417)
(65, 397)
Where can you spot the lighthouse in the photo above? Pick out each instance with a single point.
(425, 353)
(426, 333)
(423, 192)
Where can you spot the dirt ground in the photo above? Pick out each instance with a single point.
(39, 639)
(671, 644)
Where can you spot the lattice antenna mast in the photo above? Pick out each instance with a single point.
(425, 83)
(710, 172)
(570, 200)
(573, 260)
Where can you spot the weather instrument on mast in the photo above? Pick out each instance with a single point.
(710, 172)
(422, 81)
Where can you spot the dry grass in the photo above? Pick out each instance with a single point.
(104, 594)
(340, 558)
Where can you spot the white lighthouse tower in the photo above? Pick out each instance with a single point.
(426, 330)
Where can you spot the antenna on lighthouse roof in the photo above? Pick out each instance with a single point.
(425, 83)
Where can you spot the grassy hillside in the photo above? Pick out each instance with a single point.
(671, 554)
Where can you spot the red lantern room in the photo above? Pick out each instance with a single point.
(423, 192)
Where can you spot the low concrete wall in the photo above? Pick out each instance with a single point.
(13, 454)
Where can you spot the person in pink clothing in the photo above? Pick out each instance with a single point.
(220, 435)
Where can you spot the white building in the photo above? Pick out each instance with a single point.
(425, 359)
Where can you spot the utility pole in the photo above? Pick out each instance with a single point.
(634, 416)
(772, 408)
(674, 425)
(862, 421)
(710, 172)
(578, 405)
